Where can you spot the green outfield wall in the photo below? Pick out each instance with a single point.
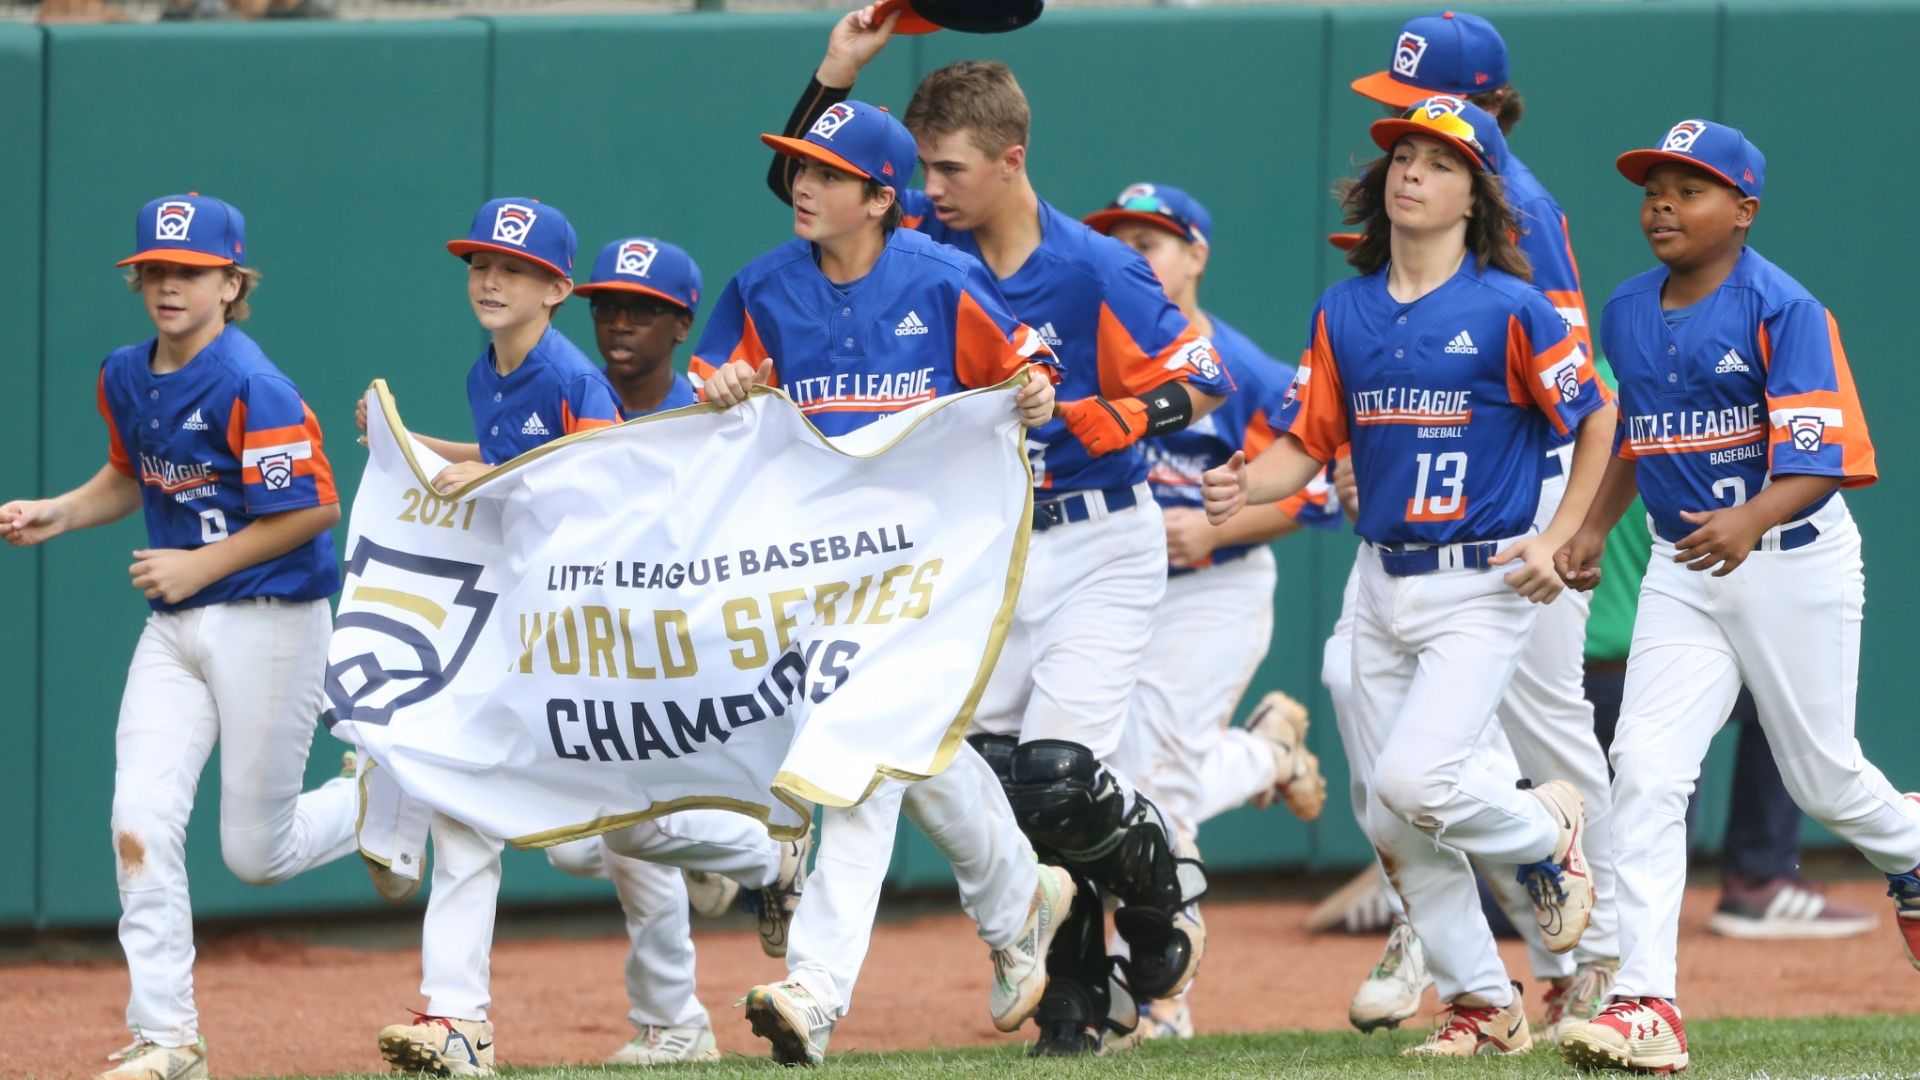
(357, 149)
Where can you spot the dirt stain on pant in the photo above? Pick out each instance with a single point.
(133, 854)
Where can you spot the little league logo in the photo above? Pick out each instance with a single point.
(1440, 105)
(1136, 191)
(1566, 379)
(512, 222)
(832, 121)
(1808, 432)
(406, 625)
(1680, 140)
(635, 258)
(173, 221)
(276, 471)
(1407, 53)
(1294, 388)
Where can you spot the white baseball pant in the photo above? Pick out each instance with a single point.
(456, 939)
(246, 674)
(1209, 634)
(1787, 623)
(964, 812)
(660, 957)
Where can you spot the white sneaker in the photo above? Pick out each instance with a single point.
(1020, 969)
(1561, 887)
(439, 1046)
(788, 1016)
(775, 903)
(1393, 989)
(710, 895)
(667, 1046)
(142, 1060)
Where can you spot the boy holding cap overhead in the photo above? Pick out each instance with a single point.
(1545, 716)
(857, 319)
(217, 448)
(1132, 365)
(1739, 426)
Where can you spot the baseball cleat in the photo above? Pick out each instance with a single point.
(1166, 1018)
(1783, 909)
(394, 888)
(1467, 1029)
(1393, 989)
(1020, 969)
(710, 895)
(1282, 723)
(1905, 890)
(1632, 1034)
(439, 1046)
(656, 1045)
(788, 1016)
(775, 902)
(1561, 886)
(143, 1060)
(1582, 999)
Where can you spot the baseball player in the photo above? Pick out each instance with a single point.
(1739, 425)
(1051, 717)
(857, 318)
(217, 448)
(1545, 720)
(643, 293)
(1447, 449)
(1213, 625)
(528, 387)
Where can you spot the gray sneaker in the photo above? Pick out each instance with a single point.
(789, 1017)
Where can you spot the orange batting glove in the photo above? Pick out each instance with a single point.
(1104, 426)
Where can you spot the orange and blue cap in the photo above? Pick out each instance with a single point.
(524, 227)
(190, 230)
(1460, 123)
(856, 138)
(1450, 52)
(1165, 207)
(649, 266)
(1716, 148)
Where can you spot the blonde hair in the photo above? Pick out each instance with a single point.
(979, 97)
(237, 309)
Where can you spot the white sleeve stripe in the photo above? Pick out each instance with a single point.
(299, 451)
(1785, 417)
(1573, 316)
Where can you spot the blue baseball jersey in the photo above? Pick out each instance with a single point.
(679, 395)
(927, 320)
(1450, 402)
(1753, 385)
(216, 444)
(1096, 302)
(1543, 238)
(555, 391)
(1244, 421)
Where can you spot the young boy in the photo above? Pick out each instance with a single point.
(643, 295)
(1051, 718)
(217, 447)
(858, 318)
(1739, 425)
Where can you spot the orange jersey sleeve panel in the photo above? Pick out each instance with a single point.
(1816, 424)
(747, 347)
(1319, 404)
(986, 355)
(281, 468)
(1559, 379)
(116, 449)
(1127, 370)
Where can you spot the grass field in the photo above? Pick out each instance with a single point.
(1877, 1046)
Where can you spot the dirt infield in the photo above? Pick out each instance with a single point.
(274, 1006)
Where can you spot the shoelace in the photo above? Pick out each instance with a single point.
(132, 1050)
(1537, 876)
(1905, 888)
(1467, 1019)
(1620, 1009)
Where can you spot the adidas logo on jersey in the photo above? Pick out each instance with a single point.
(1730, 363)
(1048, 335)
(1463, 343)
(196, 423)
(910, 326)
(533, 426)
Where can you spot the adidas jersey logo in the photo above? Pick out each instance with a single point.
(1728, 363)
(910, 326)
(196, 423)
(1048, 335)
(1462, 343)
(533, 426)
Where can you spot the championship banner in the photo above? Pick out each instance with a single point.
(704, 608)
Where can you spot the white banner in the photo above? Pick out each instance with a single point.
(703, 608)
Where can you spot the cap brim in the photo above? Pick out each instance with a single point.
(1345, 241)
(464, 248)
(1103, 221)
(593, 287)
(1382, 87)
(805, 149)
(179, 257)
(1635, 164)
(911, 22)
(1387, 132)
